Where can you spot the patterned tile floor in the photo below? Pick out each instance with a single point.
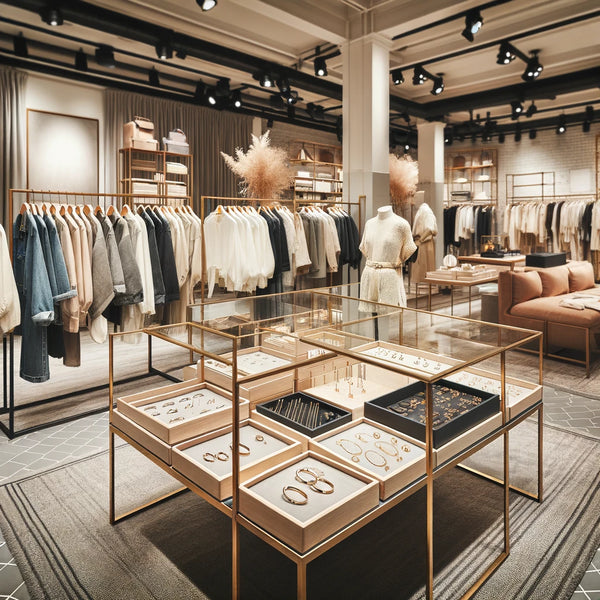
(43, 450)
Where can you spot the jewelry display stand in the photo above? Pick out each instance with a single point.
(336, 493)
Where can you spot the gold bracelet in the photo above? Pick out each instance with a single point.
(377, 464)
(382, 446)
(241, 446)
(315, 488)
(209, 457)
(220, 454)
(354, 455)
(291, 488)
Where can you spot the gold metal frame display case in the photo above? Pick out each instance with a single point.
(319, 320)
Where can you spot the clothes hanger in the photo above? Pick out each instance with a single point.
(125, 210)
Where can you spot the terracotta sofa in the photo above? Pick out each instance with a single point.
(531, 299)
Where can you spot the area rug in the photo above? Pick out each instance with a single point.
(56, 525)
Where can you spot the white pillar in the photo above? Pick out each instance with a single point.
(431, 176)
(366, 121)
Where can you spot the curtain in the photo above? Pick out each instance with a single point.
(12, 137)
(208, 132)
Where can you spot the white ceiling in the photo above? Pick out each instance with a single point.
(285, 32)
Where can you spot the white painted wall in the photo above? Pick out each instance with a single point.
(70, 98)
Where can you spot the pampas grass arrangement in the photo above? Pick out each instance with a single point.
(404, 177)
(264, 170)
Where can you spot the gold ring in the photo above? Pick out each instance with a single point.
(220, 454)
(291, 488)
(306, 481)
(241, 446)
(315, 488)
(209, 457)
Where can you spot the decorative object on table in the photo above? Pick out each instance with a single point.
(304, 413)
(456, 408)
(404, 177)
(544, 260)
(492, 246)
(264, 170)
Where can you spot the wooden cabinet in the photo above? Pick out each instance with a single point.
(318, 170)
(472, 175)
(160, 177)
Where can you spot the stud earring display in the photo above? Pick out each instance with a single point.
(405, 448)
(288, 493)
(259, 438)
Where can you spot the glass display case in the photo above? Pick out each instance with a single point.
(339, 410)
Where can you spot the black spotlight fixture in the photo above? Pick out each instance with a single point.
(153, 78)
(531, 110)
(533, 68)
(276, 101)
(182, 54)
(585, 126)
(518, 133)
(291, 96)
(419, 75)
(206, 5)
(81, 60)
(438, 85)
(236, 98)
(105, 56)
(501, 138)
(20, 45)
(448, 136)
(291, 111)
(164, 50)
(269, 122)
(562, 124)
(473, 23)
(265, 80)
(506, 54)
(589, 113)
(310, 109)
(283, 84)
(532, 134)
(200, 92)
(397, 76)
(517, 109)
(51, 14)
(319, 112)
(222, 88)
(211, 95)
(320, 66)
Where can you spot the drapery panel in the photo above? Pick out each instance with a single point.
(208, 132)
(12, 137)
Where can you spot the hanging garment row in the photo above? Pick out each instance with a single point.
(554, 226)
(464, 225)
(264, 250)
(77, 266)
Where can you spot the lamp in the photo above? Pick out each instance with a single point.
(438, 85)
(419, 75)
(533, 68)
(164, 50)
(211, 95)
(236, 98)
(397, 77)
(473, 23)
(320, 66)
(562, 124)
(265, 80)
(283, 84)
(506, 54)
(531, 110)
(517, 109)
(518, 133)
(105, 56)
(81, 60)
(51, 14)
(206, 5)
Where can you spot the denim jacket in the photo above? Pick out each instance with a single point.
(35, 295)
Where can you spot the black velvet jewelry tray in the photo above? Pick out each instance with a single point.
(466, 411)
(328, 417)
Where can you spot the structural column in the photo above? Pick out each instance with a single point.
(431, 176)
(366, 121)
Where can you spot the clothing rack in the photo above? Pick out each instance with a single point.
(9, 408)
(210, 203)
(590, 197)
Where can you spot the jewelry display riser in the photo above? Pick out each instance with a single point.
(202, 459)
(403, 468)
(222, 376)
(453, 425)
(138, 408)
(304, 526)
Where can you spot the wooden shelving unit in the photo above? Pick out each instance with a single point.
(318, 170)
(165, 177)
(472, 176)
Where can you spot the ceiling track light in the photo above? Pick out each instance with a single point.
(589, 113)
(222, 87)
(200, 91)
(397, 76)
(164, 50)
(517, 109)
(283, 84)
(269, 122)
(449, 136)
(320, 66)
(153, 78)
(105, 56)
(438, 85)
(562, 124)
(473, 23)
(265, 80)
(501, 138)
(206, 5)
(532, 134)
(81, 63)
(585, 126)
(533, 68)
(51, 14)
(20, 45)
(236, 98)
(291, 111)
(291, 97)
(420, 75)
(506, 54)
(531, 110)
(518, 133)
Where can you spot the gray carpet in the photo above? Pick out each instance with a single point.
(56, 525)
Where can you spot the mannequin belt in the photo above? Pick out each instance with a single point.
(374, 264)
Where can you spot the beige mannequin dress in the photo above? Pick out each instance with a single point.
(386, 244)
(424, 231)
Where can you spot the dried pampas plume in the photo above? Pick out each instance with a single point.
(264, 170)
(404, 177)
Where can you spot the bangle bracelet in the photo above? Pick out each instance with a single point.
(246, 448)
(222, 454)
(291, 488)
(301, 479)
(209, 457)
(354, 455)
(382, 446)
(378, 460)
(315, 487)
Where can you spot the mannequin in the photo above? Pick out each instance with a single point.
(386, 244)
(424, 231)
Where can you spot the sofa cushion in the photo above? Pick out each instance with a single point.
(526, 286)
(555, 281)
(581, 277)
(549, 309)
